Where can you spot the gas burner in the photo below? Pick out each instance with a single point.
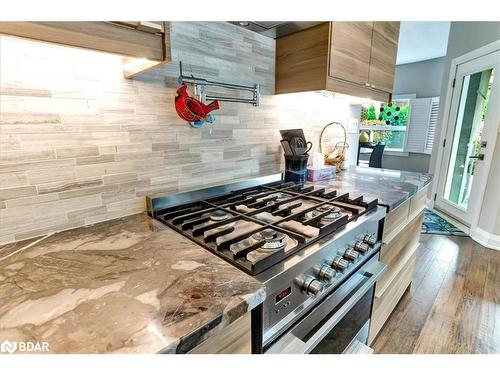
(285, 206)
(275, 197)
(334, 214)
(274, 242)
(286, 216)
(274, 239)
(219, 215)
(326, 207)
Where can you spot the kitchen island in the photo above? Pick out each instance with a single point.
(128, 285)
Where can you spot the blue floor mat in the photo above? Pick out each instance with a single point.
(435, 224)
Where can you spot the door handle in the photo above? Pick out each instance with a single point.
(479, 156)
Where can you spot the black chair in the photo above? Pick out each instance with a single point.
(376, 156)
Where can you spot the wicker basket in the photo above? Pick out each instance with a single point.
(333, 143)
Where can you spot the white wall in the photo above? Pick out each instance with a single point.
(422, 78)
(489, 220)
(412, 162)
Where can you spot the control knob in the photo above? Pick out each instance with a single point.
(314, 287)
(309, 284)
(361, 246)
(340, 264)
(370, 239)
(351, 254)
(324, 272)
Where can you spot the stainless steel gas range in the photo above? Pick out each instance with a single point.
(316, 251)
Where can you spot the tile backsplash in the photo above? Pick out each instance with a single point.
(80, 144)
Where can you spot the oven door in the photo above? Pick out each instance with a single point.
(341, 319)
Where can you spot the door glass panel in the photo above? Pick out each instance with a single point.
(472, 108)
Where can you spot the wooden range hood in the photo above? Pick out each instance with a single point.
(143, 45)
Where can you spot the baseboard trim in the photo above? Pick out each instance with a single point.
(489, 240)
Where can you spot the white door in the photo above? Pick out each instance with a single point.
(470, 137)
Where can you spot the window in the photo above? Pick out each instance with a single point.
(386, 123)
(405, 125)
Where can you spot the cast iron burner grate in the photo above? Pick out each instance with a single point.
(274, 220)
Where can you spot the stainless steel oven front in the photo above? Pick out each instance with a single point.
(341, 319)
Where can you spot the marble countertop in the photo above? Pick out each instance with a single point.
(390, 187)
(132, 285)
(128, 285)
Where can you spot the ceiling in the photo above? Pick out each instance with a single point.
(422, 40)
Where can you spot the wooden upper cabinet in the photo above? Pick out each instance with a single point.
(302, 60)
(350, 47)
(353, 58)
(146, 42)
(383, 55)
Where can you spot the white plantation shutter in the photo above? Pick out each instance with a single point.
(421, 124)
(431, 130)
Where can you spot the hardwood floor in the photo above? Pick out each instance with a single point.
(453, 303)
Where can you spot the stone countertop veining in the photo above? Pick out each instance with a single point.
(128, 285)
(390, 187)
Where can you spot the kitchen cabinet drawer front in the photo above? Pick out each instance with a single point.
(350, 44)
(417, 203)
(396, 253)
(233, 339)
(383, 55)
(384, 305)
(395, 220)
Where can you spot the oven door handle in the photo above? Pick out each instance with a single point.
(291, 344)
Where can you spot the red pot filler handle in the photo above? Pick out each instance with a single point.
(191, 109)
